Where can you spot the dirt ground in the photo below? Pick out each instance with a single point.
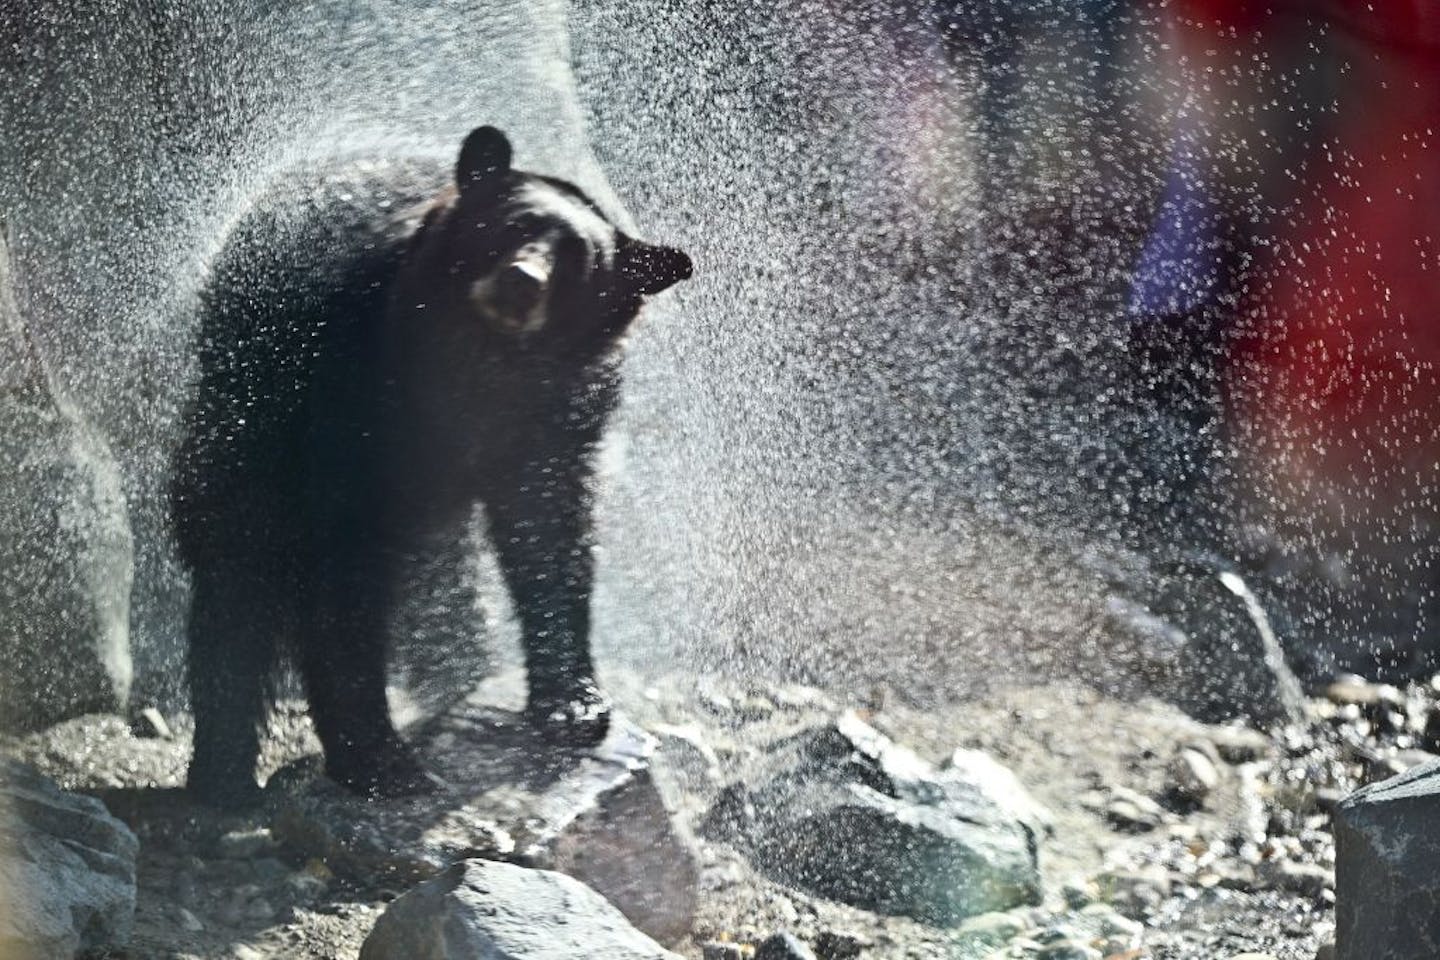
(220, 887)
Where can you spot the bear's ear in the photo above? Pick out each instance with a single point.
(484, 154)
(648, 269)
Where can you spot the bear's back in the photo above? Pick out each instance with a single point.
(292, 299)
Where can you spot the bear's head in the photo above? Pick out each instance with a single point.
(532, 258)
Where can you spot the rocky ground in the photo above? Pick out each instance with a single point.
(1171, 839)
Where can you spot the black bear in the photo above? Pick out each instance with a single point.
(380, 351)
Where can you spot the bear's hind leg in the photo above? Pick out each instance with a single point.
(232, 649)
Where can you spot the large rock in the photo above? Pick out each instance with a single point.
(845, 813)
(483, 910)
(595, 815)
(1387, 898)
(1217, 652)
(65, 547)
(1233, 667)
(67, 870)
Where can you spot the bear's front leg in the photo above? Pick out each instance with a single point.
(540, 522)
(342, 661)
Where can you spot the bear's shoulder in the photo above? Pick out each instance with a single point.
(324, 231)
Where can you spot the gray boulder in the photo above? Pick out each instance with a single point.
(65, 545)
(595, 815)
(67, 870)
(484, 910)
(1387, 898)
(843, 812)
(1233, 667)
(1213, 647)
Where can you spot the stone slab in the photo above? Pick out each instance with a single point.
(482, 910)
(1387, 845)
(67, 870)
(508, 796)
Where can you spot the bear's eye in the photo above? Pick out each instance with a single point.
(578, 258)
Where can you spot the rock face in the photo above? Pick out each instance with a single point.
(1233, 665)
(845, 813)
(595, 815)
(1386, 848)
(65, 546)
(67, 870)
(483, 910)
(1214, 639)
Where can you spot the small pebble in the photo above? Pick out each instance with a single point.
(993, 929)
(188, 921)
(1308, 879)
(305, 888)
(318, 869)
(1109, 923)
(1116, 934)
(1240, 744)
(1068, 950)
(1079, 893)
(149, 724)
(1192, 775)
(1053, 934)
(1133, 814)
(1135, 891)
(1351, 690)
(716, 702)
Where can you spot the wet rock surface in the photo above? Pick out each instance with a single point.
(1386, 851)
(506, 795)
(67, 870)
(65, 543)
(1210, 636)
(845, 813)
(1249, 870)
(482, 910)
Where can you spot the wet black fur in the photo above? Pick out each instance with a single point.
(347, 404)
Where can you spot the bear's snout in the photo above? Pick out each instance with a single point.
(519, 287)
(513, 296)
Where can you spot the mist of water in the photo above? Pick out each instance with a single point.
(877, 437)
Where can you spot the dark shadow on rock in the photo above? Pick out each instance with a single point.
(506, 795)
